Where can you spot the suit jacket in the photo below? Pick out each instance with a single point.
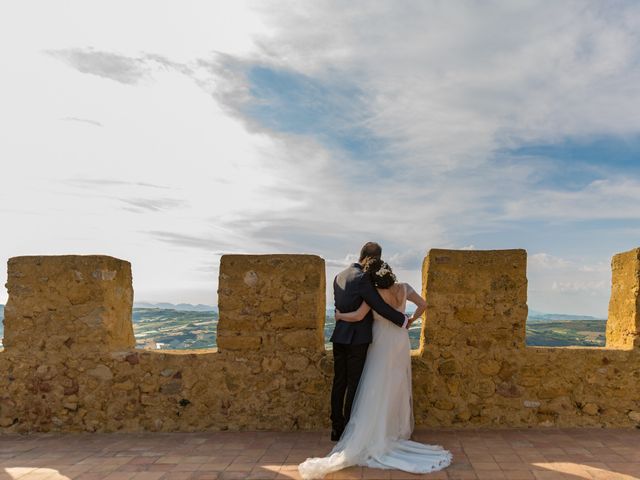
(351, 287)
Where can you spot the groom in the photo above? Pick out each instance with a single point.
(351, 340)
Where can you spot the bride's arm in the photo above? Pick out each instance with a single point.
(420, 302)
(354, 316)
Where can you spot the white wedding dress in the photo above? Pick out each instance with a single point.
(379, 429)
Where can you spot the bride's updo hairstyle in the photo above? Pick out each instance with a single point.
(380, 272)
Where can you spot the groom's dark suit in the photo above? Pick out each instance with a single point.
(350, 340)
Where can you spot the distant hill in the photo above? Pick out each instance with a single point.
(181, 307)
(535, 316)
(186, 326)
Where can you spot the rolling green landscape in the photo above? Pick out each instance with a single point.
(587, 333)
(162, 328)
(176, 327)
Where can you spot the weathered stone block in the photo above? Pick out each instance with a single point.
(68, 303)
(482, 292)
(260, 294)
(590, 408)
(489, 367)
(239, 342)
(101, 372)
(297, 339)
(623, 324)
(448, 367)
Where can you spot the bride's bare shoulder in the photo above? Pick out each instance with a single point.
(411, 290)
(398, 292)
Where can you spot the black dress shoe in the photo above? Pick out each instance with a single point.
(335, 435)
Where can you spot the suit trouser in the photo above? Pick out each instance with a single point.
(348, 362)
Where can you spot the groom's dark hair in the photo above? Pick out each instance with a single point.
(370, 250)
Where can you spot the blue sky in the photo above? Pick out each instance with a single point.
(334, 112)
(312, 127)
(576, 162)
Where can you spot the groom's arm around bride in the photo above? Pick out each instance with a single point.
(351, 287)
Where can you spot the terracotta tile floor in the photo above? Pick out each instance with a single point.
(478, 454)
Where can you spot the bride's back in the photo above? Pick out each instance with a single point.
(394, 295)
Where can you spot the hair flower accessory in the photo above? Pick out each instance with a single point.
(380, 273)
(384, 269)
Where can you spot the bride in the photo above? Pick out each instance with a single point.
(381, 422)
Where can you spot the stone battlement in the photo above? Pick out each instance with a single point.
(70, 363)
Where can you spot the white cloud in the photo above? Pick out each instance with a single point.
(452, 82)
(568, 285)
(597, 267)
(546, 261)
(617, 198)
(575, 287)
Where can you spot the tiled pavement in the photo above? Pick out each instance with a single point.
(478, 454)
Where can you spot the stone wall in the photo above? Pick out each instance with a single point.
(70, 364)
(474, 369)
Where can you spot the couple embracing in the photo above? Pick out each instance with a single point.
(371, 402)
